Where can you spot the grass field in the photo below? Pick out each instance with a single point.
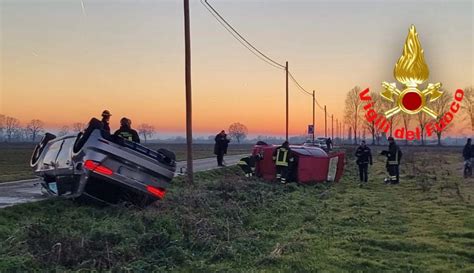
(226, 223)
(15, 157)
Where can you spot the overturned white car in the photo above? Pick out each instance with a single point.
(95, 165)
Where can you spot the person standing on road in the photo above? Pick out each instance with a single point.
(364, 158)
(220, 147)
(329, 143)
(126, 131)
(467, 154)
(283, 156)
(394, 155)
(105, 120)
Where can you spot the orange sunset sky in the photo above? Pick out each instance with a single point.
(65, 61)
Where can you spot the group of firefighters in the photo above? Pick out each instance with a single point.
(285, 162)
(124, 132)
(393, 154)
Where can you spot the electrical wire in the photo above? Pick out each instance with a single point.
(239, 37)
(228, 27)
(299, 85)
(317, 103)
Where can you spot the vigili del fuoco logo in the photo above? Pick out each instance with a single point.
(412, 71)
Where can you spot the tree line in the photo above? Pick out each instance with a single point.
(12, 130)
(359, 128)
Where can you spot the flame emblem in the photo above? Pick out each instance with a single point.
(411, 70)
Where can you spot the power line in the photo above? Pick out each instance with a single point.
(299, 85)
(240, 38)
(228, 27)
(320, 107)
(304, 90)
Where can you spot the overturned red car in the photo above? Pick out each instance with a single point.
(312, 164)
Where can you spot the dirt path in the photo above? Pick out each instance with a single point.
(25, 191)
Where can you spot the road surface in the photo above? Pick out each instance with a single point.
(25, 191)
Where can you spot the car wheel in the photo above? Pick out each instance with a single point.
(82, 137)
(40, 148)
(79, 143)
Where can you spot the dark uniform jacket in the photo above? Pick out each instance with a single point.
(106, 126)
(250, 160)
(128, 134)
(467, 152)
(282, 156)
(364, 155)
(394, 154)
(329, 143)
(220, 147)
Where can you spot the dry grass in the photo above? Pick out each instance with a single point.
(227, 223)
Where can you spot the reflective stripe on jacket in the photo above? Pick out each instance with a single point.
(282, 157)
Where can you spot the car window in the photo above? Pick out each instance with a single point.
(50, 156)
(64, 156)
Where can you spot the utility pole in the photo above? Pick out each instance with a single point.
(314, 101)
(287, 110)
(332, 126)
(325, 122)
(343, 131)
(337, 128)
(189, 120)
(340, 130)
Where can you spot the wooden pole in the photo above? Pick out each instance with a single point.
(325, 122)
(343, 131)
(314, 101)
(189, 121)
(332, 126)
(287, 109)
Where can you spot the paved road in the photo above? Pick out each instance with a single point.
(25, 191)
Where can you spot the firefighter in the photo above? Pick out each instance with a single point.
(105, 120)
(364, 158)
(282, 156)
(126, 131)
(467, 154)
(247, 164)
(394, 155)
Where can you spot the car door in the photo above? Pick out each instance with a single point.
(63, 160)
(48, 166)
(64, 169)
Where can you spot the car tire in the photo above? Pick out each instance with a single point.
(82, 137)
(79, 143)
(40, 148)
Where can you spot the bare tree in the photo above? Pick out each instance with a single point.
(441, 107)
(78, 127)
(63, 131)
(373, 129)
(2, 125)
(22, 134)
(468, 104)
(238, 130)
(406, 119)
(422, 119)
(146, 131)
(353, 109)
(12, 126)
(35, 127)
(393, 120)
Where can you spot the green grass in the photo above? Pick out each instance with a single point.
(15, 161)
(15, 157)
(227, 223)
